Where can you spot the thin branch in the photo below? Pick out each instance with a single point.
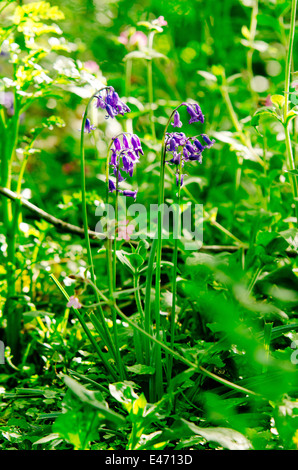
(70, 228)
(60, 224)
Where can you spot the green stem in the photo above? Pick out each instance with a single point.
(161, 195)
(289, 149)
(138, 297)
(147, 312)
(252, 34)
(150, 87)
(174, 279)
(105, 331)
(111, 259)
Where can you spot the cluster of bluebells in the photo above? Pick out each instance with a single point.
(125, 155)
(109, 100)
(186, 149)
(111, 103)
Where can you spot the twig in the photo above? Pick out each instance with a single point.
(70, 228)
(61, 224)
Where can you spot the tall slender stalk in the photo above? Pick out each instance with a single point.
(104, 328)
(289, 149)
(161, 195)
(150, 87)
(174, 275)
(250, 51)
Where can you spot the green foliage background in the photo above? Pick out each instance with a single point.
(237, 297)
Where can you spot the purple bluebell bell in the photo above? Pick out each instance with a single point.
(125, 142)
(100, 103)
(113, 161)
(198, 144)
(195, 113)
(135, 142)
(127, 192)
(177, 122)
(112, 186)
(124, 157)
(88, 126)
(110, 111)
(117, 143)
(111, 103)
(208, 141)
(184, 150)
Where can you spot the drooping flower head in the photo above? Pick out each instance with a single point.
(109, 100)
(185, 149)
(125, 154)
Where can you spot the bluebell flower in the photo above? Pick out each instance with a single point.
(113, 161)
(88, 126)
(177, 122)
(125, 142)
(110, 111)
(117, 143)
(100, 103)
(208, 141)
(185, 150)
(135, 141)
(195, 113)
(198, 144)
(112, 186)
(127, 192)
(111, 103)
(124, 157)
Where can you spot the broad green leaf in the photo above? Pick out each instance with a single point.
(263, 112)
(93, 399)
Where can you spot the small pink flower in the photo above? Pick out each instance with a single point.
(123, 38)
(161, 21)
(268, 101)
(138, 38)
(73, 302)
(125, 231)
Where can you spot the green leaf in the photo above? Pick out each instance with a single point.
(141, 369)
(225, 437)
(146, 54)
(131, 260)
(93, 399)
(278, 101)
(291, 115)
(123, 393)
(263, 112)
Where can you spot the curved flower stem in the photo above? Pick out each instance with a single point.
(105, 331)
(158, 366)
(289, 149)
